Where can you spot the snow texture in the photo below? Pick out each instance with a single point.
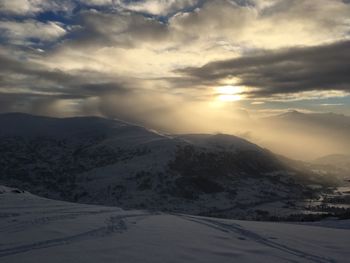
(34, 229)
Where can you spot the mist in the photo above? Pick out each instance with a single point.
(297, 135)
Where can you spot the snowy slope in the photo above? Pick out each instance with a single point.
(77, 128)
(102, 161)
(34, 229)
(220, 142)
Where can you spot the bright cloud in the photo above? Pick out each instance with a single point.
(23, 32)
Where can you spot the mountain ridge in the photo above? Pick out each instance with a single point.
(102, 161)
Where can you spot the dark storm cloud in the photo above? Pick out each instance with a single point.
(81, 80)
(285, 71)
(24, 84)
(24, 67)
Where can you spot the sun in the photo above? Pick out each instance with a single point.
(229, 93)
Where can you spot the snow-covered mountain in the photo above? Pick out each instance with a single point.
(304, 136)
(337, 160)
(110, 162)
(34, 229)
(327, 125)
(338, 164)
(330, 128)
(327, 120)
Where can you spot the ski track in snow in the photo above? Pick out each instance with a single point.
(99, 223)
(115, 223)
(48, 219)
(247, 234)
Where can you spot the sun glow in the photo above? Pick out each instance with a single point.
(229, 93)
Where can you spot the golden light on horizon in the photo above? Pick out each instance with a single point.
(229, 93)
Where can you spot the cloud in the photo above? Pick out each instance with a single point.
(158, 7)
(274, 24)
(332, 104)
(215, 26)
(17, 7)
(117, 29)
(98, 2)
(148, 47)
(28, 86)
(152, 7)
(167, 56)
(32, 7)
(27, 31)
(322, 68)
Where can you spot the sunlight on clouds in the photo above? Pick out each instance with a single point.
(229, 93)
(157, 7)
(309, 95)
(257, 103)
(129, 59)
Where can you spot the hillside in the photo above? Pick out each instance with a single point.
(36, 229)
(307, 136)
(103, 161)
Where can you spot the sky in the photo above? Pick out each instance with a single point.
(175, 65)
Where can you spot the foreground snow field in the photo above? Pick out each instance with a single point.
(34, 229)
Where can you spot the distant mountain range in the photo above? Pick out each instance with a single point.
(306, 135)
(339, 160)
(326, 121)
(111, 162)
(335, 163)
